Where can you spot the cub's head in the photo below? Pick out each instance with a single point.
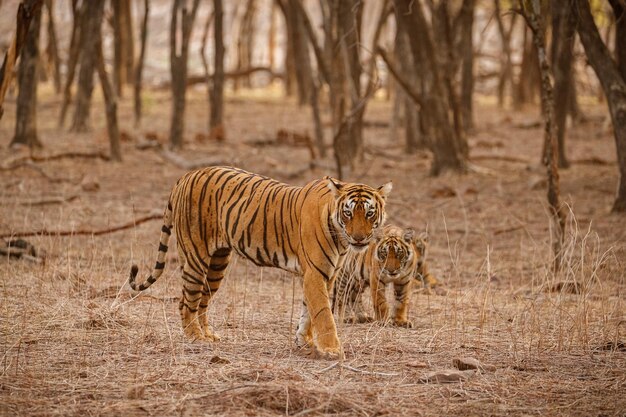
(400, 251)
(358, 212)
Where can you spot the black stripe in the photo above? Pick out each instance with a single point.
(166, 229)
(162, 247)
(159, 265)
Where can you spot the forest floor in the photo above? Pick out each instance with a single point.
(75, 340)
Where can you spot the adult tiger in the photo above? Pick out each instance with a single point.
(396, 258)
(306, 230)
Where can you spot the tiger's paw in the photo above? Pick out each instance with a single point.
(209, 336)
(407, 324)
(328, 354)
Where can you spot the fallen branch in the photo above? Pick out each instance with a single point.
(499, 158)
(45, 232)
(33, 158)
(31, 165)
(41, 202)
(203, 79)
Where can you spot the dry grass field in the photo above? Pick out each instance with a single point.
(74, 340)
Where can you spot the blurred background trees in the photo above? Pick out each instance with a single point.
(428, 58)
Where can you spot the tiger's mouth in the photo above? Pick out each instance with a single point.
(359, 246)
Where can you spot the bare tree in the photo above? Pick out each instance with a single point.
(216, 92)
(449, 148)
(25, 12)
(531, 10)
(563, 31)
(110, 101)
(506, 62)
(465, 44)
(179, 52)
(74, 53)
(26, 117)
(52, 51)
(140, 61)
(245, 42)
(93, 20)
(612, 76)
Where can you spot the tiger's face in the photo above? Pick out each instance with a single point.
(400, 251)
(359, 211)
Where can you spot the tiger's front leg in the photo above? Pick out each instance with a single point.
(402, 293)
(381, 310)
(322, 322)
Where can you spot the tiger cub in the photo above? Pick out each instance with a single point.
(220, 211)
(397, 258)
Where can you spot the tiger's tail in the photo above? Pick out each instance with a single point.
(166, 232)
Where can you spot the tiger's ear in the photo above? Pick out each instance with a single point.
(334, 186)
(423, 236)
(385, 189)
(408, 235)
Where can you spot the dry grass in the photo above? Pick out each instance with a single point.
(75, 341)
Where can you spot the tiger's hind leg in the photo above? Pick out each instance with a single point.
(193, 285)
(215, 274)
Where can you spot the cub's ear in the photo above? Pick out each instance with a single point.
(408, 235)
(423, 236)
(333, 185)
(385, 189)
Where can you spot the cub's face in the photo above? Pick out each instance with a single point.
(399, 251)
(359, 211)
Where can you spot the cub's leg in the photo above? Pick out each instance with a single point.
(322, 321)
(304, 337)
(400, 316)
(215, 274)
(193, 284)
(381, 310)
(359, 311)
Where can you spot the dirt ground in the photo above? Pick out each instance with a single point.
(75, 340)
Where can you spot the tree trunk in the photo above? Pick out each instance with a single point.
(25, 12)
(179, 53)
(467, 63)
(532, 13)
(563, 31)
(110, 102)
(245, 44)
(93, 19)
(119, 60)
(140, 61)
(448, 148)
(75, 41)
(613, 84)
(26, 117)
(506, 63)
(413, 73)
(529, 82)
(129, 38)
(52, 50)
(216, 95)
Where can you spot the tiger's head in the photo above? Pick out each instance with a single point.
(358, 212)
(400, 251)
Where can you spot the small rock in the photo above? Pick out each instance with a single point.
(90, 185)
(467, 363)
(217, 359)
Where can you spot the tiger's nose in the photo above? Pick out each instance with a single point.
(359, 238)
